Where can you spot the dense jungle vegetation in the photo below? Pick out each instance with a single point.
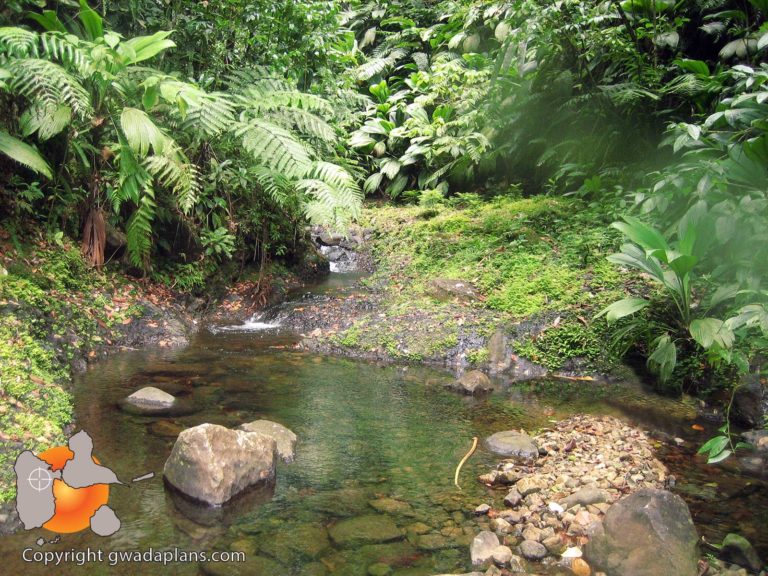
(186, 140)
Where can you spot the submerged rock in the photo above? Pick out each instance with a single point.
(750, 402)
(483, 546)
(473, 382)
(513, 444)
(361, 530)
(151, 399)
(285, 440)
(647, 533)
(212, 464)
(738, 550)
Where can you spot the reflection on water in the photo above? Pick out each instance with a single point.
(373, 440)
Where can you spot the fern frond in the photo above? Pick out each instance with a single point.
(139, 229)
(333, 196)
(41, 80)
(376, 66)
(24, 154)
(213, 113)
(183, 178)
(133, 178)
(276, 99)
(274, 147)
(66, 49)
(278, 187)
(18, 42)
(304, 122)
(46, 119)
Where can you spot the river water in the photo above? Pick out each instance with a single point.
(378, 445)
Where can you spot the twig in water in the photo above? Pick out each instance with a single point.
(463, 460)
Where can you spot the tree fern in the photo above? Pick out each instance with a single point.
(274, 147)
(304, 122)
(265, 101)
(18, 42)
(139, 229)
(47, 82)
(376, 66)
(24, 154)
(45, 119)
(276, 185)
(181, 177)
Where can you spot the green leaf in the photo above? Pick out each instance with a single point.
(714, 445)
(664, 357)
(709, 331)
(145, 47)
(48, 20)
(719, 457)
(92, 22)
(642, 234)
(24, 154)
(622, 308)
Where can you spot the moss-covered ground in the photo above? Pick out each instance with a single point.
(539, 260)
(53, 311)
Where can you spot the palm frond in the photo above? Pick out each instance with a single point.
(24, 154)
(141, 132)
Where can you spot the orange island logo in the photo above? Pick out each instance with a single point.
(65, 489)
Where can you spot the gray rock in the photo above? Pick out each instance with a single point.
(362, 530)
(499, 358)
(513, 444)
(532, 550)
(150, 399)
(483, 546)
(513, 498)
(448, 289)
(502, 555)
(647, 533)
(211, 463)
(515, 565)
(738, 550)
(482, 510)
(284, 438)
(750, 402)
(530, 485)
(758, 438)
(473, 382)
(585, 496)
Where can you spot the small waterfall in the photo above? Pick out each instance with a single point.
(255, 323)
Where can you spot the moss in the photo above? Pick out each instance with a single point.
(478, 356)
(571, 339)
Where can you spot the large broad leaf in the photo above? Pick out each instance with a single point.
(48, 20)
(642, 234)
(633, 257)
(92, 22)
(24, 154)
(622, 308)
(141, 133)
(709, 331)
(145, 47)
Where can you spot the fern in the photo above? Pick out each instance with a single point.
(46, 119)
(181, 177)
(44, 81)
(18, 42)
(376, 66)
(139, 229)
(276, 185)
(274, 147)
(63, 48)
(265, 101)
(305, 122)
(24, 154)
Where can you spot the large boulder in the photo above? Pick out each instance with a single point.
(212, 464)
(473, 382)
(647, 533)
(513, 444)
(750, 402)
(284, 438)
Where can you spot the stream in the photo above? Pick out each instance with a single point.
(376, 443)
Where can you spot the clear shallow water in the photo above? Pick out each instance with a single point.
(366, 433)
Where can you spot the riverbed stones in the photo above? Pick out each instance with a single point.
(513, 444)
(473, 382)
(151, 399)
(361, 530)
(513, 498)
(532, 550)
(647, 533)
(530, 485)
(738, 550)
(483, 546)
(211, 464)
(285, 440)
(502, 555)
(585, 496)
(391, 506)
(482, 510)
